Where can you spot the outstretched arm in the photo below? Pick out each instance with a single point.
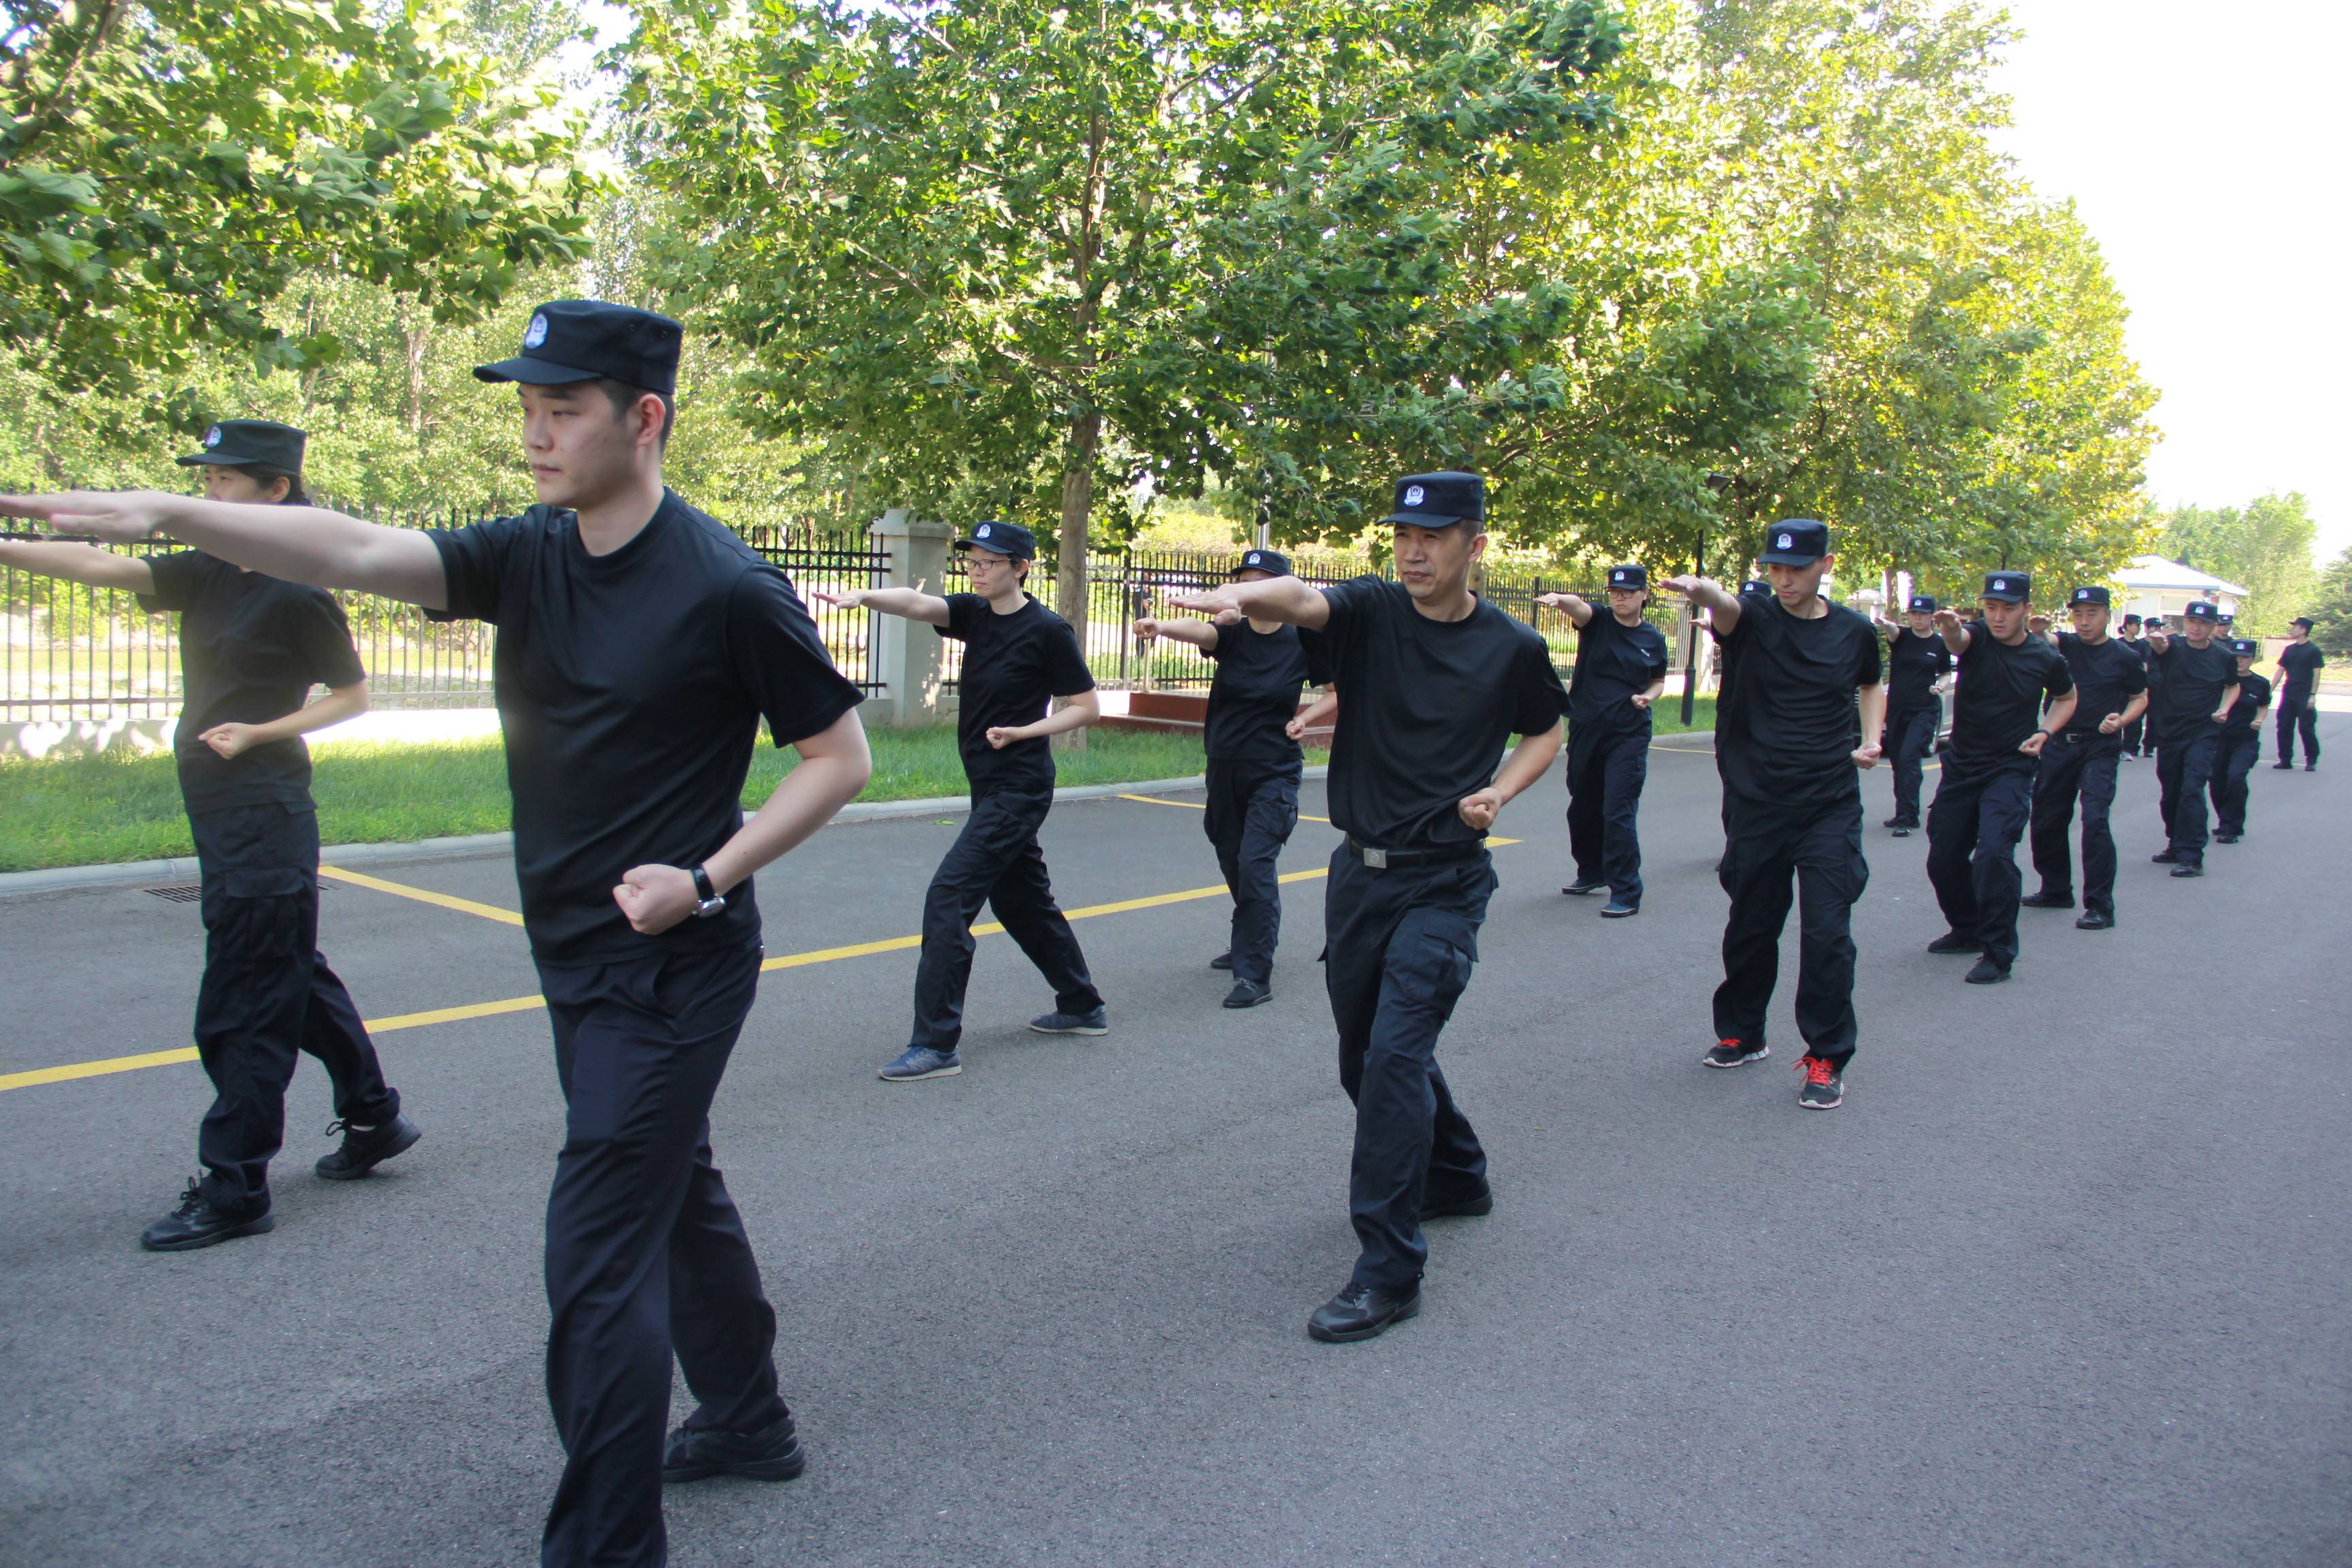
(1722, 608)
(911, 603)
(1955, 631)
(79, 563)
(1526, 763)
(297, 543)
(1284, 599)
(1577, 610)
(1202, 634)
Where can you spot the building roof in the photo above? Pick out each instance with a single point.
(2156, 572)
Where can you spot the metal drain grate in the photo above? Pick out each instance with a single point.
(188, 893)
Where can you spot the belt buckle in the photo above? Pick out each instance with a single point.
(1378, 859)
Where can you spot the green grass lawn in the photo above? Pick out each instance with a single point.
(82, 811)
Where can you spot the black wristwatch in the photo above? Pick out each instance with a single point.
(708, 900)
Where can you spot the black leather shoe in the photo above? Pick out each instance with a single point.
(2227, 837)
(1361, 1311)
(1953, 941)
(1248, 994)
(364, 1149)
(1899, 833)
(695, 1455)
(1473, 1206)
(2163, 858)
(1222, 961)
(2188, 868)
(2281, 767)
(1584, 884)
(2047, 901)
(1988, 973)
(196, 1222)
(2094, 919)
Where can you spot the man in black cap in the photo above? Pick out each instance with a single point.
(1916, 661)
(2240, 745)
(2133, 734)
(1986, 794)
(1436, 680)
(1621, 668)
(639, 645)
(2191, 701)
(2080, 762)
(2299, 664)
(251, 648)
(1018, 657)
(1810, 707)
(1254, 765)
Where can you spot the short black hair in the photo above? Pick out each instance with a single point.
(262, 473)
(624, 397)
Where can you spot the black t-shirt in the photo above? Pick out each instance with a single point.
(1793, 732)
(1612, 662)
(1255, 693)
(1913, 665)
(2299, 667)
(2107, 676)
(2000, 696)
(1014, 666)
(2190, 690)
(630, 687)
(1425, 707)
(2148, 661)
(2254, 696)
(251, 649)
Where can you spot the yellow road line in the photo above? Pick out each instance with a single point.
(423, 895)
(531, 1003)
(1194, 805)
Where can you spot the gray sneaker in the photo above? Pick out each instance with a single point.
(921, 1061)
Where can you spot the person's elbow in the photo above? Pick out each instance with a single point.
(355, 697)
(1088, 703)
(841, 751)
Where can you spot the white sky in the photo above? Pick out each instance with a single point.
(2207, 148)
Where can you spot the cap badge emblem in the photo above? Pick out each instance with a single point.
(212, 437)
(1415, 495)
(1787, 541)
(537, 332)
(982, 532)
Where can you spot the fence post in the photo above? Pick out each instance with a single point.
(906, 655)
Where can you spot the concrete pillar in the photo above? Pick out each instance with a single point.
(906, 656)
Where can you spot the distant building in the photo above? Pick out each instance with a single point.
(2153, 585)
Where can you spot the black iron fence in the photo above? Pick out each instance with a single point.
(73, 653)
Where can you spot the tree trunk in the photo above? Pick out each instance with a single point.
(1077, 503)
(418, 335)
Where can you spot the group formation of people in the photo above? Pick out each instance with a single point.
(641, 643)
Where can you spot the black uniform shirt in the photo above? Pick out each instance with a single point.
(1791, 734)
(1913, 665)
(2254, 696)
(2107, 676)
(2154, 675)
(2000, 696)
(1013, 667)
(251, 649)
(2189, 690)
(630, 687)
(2299, 667)
(1255, 693)
(1612, 662)
(1424, 708)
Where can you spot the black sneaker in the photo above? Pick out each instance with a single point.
(365, 1148)
(2094, 919)
(1248, 994)
(1823, 1089)
(1736, 1053)
(2311, 767)
(1618, 909)
(1987, 973)
(1953, 941)
(1095, 1023)
(2164, 858)
(1360, 1311)
(1894, 822)
(1222, 961)
(1900, 833)
(2187, 868)
(2045, 899)
(698, 1454)
(1473, 1205)
(1584, 884)
(2227, 837)
(2281, 767)
(196, 1222)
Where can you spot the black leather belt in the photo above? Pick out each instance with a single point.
(1382, 859)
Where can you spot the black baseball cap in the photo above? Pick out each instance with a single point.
(2009, 587)
(1756, 588)
(1273, 560)
(2203, 611)
(571, 341)
(2131, 620)
(1002, 537)
(2091, 594)
(1629, 576)
(234, 443)
(1439, 500)
(2303, 621)
(2244, 648)
(1795, 541)
(1922, 605)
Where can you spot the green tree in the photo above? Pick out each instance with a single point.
(1005, 256)
(168, 170)
(2265, 548)
(2330, 608)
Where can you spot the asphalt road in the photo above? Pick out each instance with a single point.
(2064, 1282)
